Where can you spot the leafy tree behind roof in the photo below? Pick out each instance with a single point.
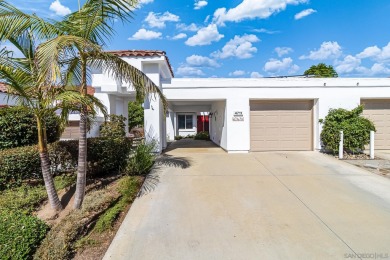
(322, 71)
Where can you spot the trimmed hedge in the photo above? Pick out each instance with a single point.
(105, 155)
(18, 127)
(18, 164)
(20, 235)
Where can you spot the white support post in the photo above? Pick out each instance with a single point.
(372, 145)
(341, 145)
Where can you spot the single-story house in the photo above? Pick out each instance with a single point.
(243, 115)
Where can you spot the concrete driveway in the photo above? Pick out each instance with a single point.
(282, 205)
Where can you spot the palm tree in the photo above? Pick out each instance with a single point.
(84, 32)
(24, 78)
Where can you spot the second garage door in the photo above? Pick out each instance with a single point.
(281, 125)
(379, 113)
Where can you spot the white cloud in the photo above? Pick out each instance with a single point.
(59, 9)
(201, 61)
(240, 47)
(304, 13)
(256, 74)
(328, 50)
(157, 20)
(251, 9)
(281, 51)
(145, 1)
(143, 34)
(263, 30)
(237, 73)
(376, 53)
(369, 52)
(185, 70)
(277, 66)
(200, 4)
(179, 36)
(205, 36)
(183, 27)
(348, 65)
(379, 68)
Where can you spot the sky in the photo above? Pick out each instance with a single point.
(252, 38)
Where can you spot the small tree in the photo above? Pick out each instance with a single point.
(322, 71)
(114, 127)
(356, 129)
(136, 115)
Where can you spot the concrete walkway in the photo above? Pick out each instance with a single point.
(283, 205)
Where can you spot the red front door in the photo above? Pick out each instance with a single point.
(203, 124)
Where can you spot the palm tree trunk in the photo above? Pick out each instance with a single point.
(82, 160)
(54, 201)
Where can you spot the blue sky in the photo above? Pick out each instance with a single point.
(253, 38)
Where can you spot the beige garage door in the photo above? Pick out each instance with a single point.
(379, 112)
(281, 125)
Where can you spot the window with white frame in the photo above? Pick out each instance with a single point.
(185, 122)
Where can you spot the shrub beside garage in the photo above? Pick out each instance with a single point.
(355, 127)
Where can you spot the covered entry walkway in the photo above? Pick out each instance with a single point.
(190, 145)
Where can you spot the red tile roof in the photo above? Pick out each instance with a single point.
(143, 53)
(3, 89)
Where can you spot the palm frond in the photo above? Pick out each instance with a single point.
(96, 18)
(65, 47)
(14, 22)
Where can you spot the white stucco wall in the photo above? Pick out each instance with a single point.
(5, 100)
(170, 123)
(326, 93)
(218, 124)
(116, 95)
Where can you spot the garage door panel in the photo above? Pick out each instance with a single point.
(281, 125)
(378, 111)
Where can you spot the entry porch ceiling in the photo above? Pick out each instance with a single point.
(192, 102)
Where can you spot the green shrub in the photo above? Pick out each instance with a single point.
(20, 235)
(105, 155)
(18, 164)
(136, 115)
(114, 127)
(141, 159)
(18, 127)
(202, 136)
(356, 129)
(178, 137)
